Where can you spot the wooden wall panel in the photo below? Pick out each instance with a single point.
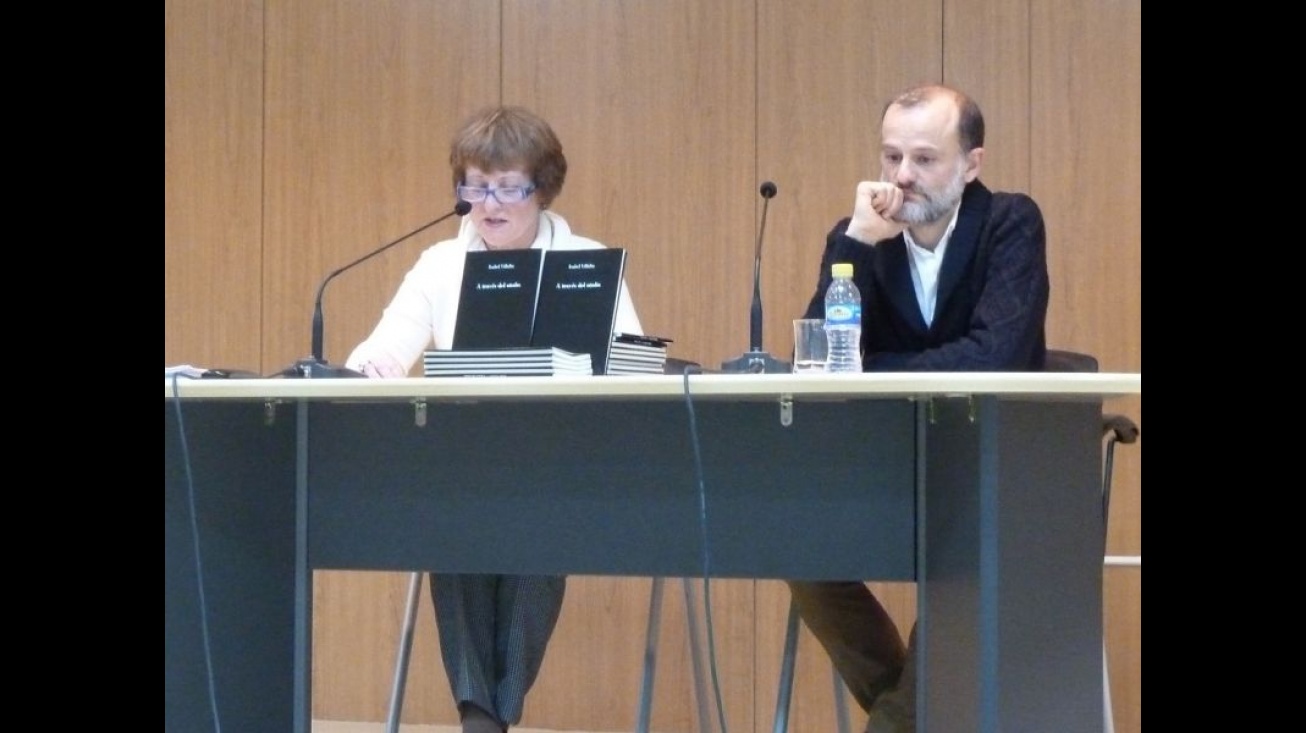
(652, 102)
(281, 168)
(362, 100)
(821, 88)
(1123, 601)
(212, 185)
(1086, 152)
(993, 67)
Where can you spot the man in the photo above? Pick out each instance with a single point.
(953, 277)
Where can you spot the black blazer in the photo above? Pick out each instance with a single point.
(993, 291)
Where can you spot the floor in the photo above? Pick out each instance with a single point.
(337, 726)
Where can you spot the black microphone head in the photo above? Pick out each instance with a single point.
(767, 190)
(462, 207)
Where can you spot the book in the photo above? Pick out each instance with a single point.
(564, 299)
(637, 354)
(641, 339)
(506, 361)
(619, 367)
(496, 306)
(577, 305)
(624, 352)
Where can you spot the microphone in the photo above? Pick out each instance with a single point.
(315, 365)
(755, 360)
(755, 316)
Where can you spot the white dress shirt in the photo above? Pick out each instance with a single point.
(925, 266)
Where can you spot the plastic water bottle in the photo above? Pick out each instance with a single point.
(843, 321)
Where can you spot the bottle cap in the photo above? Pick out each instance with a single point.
(842, 269)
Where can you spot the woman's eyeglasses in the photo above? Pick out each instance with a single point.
(503, 194)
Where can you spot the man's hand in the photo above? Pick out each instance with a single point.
(874, 207)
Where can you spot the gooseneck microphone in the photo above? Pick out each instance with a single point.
(755, 315)
(315, 365)
(755, 360)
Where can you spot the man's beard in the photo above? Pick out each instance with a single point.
(937, 204)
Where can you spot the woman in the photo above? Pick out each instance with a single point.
(508, 164)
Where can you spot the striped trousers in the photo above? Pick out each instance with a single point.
(493, 632)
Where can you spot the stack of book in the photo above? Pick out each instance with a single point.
(534, 304)
(637, 354)
(524, 361)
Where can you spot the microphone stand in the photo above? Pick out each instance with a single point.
(314, 366)
(755, 360)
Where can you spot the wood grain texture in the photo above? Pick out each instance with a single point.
(651, 103)
(821, 88)
(212, 190)
(654, 104)
(992, 66)
(1086, 153)
(362, 101)
(302, 134)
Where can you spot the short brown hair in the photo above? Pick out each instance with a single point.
(502, 138)
(970, 121)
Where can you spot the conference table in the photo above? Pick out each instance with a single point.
(982, 488)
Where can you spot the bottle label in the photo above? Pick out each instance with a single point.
(843, 315)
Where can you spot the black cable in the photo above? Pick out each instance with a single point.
(707, 555)
(199, 565)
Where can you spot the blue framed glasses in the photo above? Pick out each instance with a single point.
(503, 194)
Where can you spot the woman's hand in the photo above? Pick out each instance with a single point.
(382, 367)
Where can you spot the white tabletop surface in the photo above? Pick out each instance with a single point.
(1069, 385)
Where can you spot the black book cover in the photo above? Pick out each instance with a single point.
(496, 307)
(577, 306)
